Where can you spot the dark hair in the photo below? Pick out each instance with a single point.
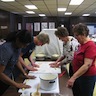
(24, 36)
(81, 29)
(61, 32)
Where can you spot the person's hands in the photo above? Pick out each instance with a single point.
(70, 82)
(31, 68)
(35, 65)
(21, 85)
(29, 77)
(54, 64)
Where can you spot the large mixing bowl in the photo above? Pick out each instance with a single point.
(40, 56)
(48, 81)
(55, 56)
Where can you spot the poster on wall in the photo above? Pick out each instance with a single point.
(19, 26)
(29, 27)
(51, 25)
(44, 25)
(4, 27)
(37, 26)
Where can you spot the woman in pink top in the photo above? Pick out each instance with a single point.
(84, 63)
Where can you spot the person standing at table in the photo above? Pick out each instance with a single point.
(9, 54)
(70, 44)
(84, 63)
(39, 40)
(26, 52)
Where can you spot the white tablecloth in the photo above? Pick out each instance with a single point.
(45, 68)
(34, 83)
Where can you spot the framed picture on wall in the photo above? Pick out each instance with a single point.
(36, 26)
(19, 26)
(29, 27)
(44, 25)
(51, 25)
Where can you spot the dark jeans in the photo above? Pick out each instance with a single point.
(84, 86)
(3, 87)
(70, 70)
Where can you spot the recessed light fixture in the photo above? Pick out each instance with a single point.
(31, 6)
(85, 14)
(76, 2)
(7, 0)
(42, 15)
(68, 13)
(30, 12)
(61, 9)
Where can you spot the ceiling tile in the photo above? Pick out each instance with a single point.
(49, 7)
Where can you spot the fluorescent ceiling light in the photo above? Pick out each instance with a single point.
(85, 14)
(42, 15)
(61, 9)
(30, 12)
(31, 6)
(68, 13)
(7, 0)
(76, 2)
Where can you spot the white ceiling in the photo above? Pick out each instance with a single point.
(49, 7)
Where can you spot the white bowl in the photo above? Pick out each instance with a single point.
(40, 56)
(55, 56)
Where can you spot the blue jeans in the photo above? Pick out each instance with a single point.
(84, 86)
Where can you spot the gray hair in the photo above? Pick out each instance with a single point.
(43, 37)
